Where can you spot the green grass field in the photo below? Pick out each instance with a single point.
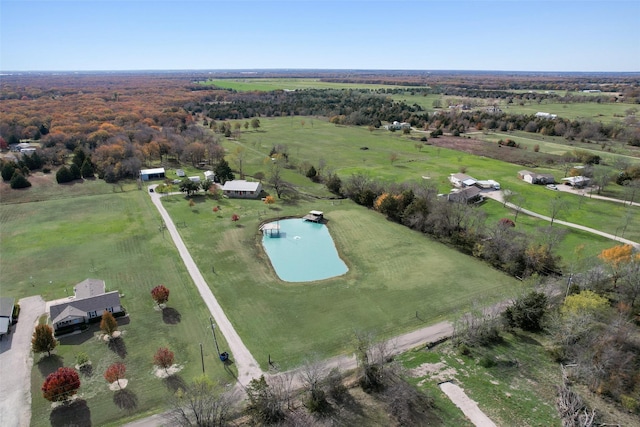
(339, 147)
(49, 246)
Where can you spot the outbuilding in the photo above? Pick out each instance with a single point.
(149, 174)
(6, 314)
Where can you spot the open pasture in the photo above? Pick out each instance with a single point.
(49, 246)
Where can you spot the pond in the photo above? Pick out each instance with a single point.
(303, 251)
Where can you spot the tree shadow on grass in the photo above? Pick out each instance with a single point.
(76, 413)
(118, 346)
(86, 370)
(171, 316)
(125, 399)
(174, 383)
(50, 364)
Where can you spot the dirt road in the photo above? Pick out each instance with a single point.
(247, 366)
(16, 361)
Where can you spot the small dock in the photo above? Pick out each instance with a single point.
(271, 229)
(314, 216)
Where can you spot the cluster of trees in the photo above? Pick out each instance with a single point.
(418, 206)
(349, 106)
(590, 324)
(456, 122)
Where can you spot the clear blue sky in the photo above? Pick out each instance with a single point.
(512, 35)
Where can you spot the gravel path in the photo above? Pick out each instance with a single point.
(247, 366)
(466, 405)
(16, 361)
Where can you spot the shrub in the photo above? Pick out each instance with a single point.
(19, 181)
(61, 385)
(82, 358)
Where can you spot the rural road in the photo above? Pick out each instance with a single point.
(16, 361)
(247, 366)
(497, 195)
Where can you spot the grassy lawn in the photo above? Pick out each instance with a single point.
(516, 388)
(393, 273)
(49, 246)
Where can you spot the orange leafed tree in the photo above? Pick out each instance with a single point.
(269, 200)
(616, 257)
(115, 372)
(163, 358)
(160, 294)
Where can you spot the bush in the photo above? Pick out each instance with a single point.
(527, 312)
(63, 175)
(19, 181)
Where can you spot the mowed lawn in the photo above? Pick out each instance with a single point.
(50, 245)
(394, 274)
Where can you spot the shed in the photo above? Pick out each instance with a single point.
(209, 176)
(6, 314)
(149, 174)
(314, 216)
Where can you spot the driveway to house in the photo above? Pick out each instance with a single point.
(497, 195)
(16, 361)
(247, 366)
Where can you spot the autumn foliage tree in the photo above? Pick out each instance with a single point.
(43, 340)
(616, 257)
(115, 372)
(269, 200)
(61, 385)
(235, 218)
(160, 294)
(163, 358)
(108, 324)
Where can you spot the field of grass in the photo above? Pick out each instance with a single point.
(514, 384)
(50, 245)
(339, 148)
(394, 273)
(267, 84)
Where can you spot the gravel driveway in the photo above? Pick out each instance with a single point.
(16, 361)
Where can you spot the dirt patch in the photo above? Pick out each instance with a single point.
(171, 370)
(437, 372)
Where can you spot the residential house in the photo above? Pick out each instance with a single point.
(577, 181)
(241, 189)
(88, 303)
(6, 314)
(536, 178)
(466, 195)
(543, 115)
(461, 180)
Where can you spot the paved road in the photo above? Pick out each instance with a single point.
(497, 195)
(247, 366)
(16, 361)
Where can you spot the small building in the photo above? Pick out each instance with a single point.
(180, 173)
(577, 181)
(461, 180)
(27, 151)
(87, 305)
(536, 178)
(314, 216)
(209, 176)
(241, 189)
(466, 195)
(543, 115)
(6, 315)
(195, 179)
(149, 174)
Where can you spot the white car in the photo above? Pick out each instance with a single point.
(552, 187)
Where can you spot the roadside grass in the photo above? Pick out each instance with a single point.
(394, 274)
(513, 382)
(49, 246)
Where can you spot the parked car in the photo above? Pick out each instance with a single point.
(552, 187)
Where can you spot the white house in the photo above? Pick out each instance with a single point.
(89, 302)
(543, 115)
(180, 173)
(209, 176)
(148, 174)
(195, 179)
(240, 188)
(536, 178)
(577, 181)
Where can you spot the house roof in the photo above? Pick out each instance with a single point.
(6, 306)
(465, 195)
(462, 177)
(151, 171)
(85, 305)
(240, 185)
(88, 288)
(4, 325)
(69, 312)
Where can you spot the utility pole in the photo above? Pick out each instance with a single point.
(213, 331)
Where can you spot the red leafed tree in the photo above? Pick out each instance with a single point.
(61, 385)
(235, 217)
(160, 294)
(506, 222)
(163, 358)
(115, 372)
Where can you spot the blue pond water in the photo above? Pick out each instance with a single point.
(304, 252)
